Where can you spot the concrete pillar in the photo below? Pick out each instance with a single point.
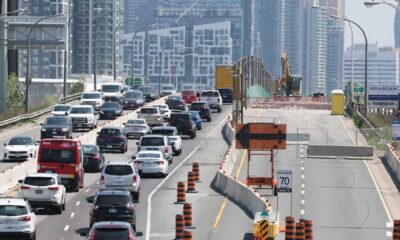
(3, 59)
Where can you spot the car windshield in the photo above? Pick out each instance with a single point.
(136, 121)
(196, 106)
(152, 141)
(80, 110)
(118, 170)
(188, 93)
(168, 88)
(166, 132)
(149, 110)
(56, 121)
(111, 234)
(58, 156)
(146, 89)
(225, 91)
(111, 105)
(89, 149)
(209, 94)
(91, 96)
(110, 88)
(174, 98)
(134, 95)
(110, 132)
(10, 210)
(20, 141)
(61, 108)
(112, 199)
(39, 181)
(149, 155)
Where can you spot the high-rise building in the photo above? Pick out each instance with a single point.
(397, 28)
(93, 36)
(144, 9)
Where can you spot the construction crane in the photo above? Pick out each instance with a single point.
(287, 84)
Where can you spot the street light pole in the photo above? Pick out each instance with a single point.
(370, 4)
(28, 60)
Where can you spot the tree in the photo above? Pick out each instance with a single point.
(15, 97)
(78, 87)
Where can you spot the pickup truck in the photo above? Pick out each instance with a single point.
(212, 98)
(83, 116)
(172, 134)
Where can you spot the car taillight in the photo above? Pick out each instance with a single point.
(138, 162)
(160, 162)
(101, 179)
(76, 168)
(95, 208)
(130, 208)
(25, 218)
(53, 188)
(95, 157)
(25, 187)
(166, 150)
(120, 138)
(38, 166)
(134, 178)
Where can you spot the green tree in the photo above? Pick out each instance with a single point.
(78, 87)
(15, 97)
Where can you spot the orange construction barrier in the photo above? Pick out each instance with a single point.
(308, 229)
(396, 230)
(187, 212)
(187, 235)
(196, 170)
(300, 231)
(191, 188)
(181, 197)
(179, 226)
(290, 228)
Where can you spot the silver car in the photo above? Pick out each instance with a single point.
(136, 128)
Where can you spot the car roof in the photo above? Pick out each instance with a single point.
(111, 224)
(111, 127)
(151, 151)
(134, 91)
(82, 106)
(42, 175)
(153, 136)
(57, 117)
(63, 104)
(148, 107)
(119, 162)
(199, 102)
(92, 92)
(164, 127)
(113, 192)
(13, 201)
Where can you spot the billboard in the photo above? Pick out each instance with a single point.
(383, 96)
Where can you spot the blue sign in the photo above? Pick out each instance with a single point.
(396, 130)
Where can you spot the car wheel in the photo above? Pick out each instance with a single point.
(122, 150)
(33, 236)
(63, 205)
(179, 152)
(209, 119)
(219, 110)
(59, 209)
(136, 196)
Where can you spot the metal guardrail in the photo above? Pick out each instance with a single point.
(19, 118)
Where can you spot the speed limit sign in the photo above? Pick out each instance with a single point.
(284, 180)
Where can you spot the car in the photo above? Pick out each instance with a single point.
(112, 138)
(196, 119)
(125, 88)
(226, 94)
(151, 162)
(213, 99)
(43, 190)
(56, 126)
(184, 124)
(167, 90)
(121, 175)
(152, 115)
(172, 134)
(190, 96)
(113, 205)
(133, 99)
(136, 128)
(17, 219)
(20, 148)
(149, 93)
(83, 116)
(112, 91)
(112, 230)
(176, 103)
(60, 109)
(165, 111)
(93, 158)
(203, 110)
(158, 143)
(94, 99)
(111, 110)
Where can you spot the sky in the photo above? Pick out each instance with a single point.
(377, 22)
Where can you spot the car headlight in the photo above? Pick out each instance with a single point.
(6, 150)
(43, 130)
(64, 129)
(90, 119)
(31, 150)
(117, 112)
(126, 101)
(98, 103)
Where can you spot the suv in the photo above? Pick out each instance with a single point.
(212, 98)
(133, 99)
(111, 110)
(172, 134)
(115, 205)
(157, 143)
(152, 115)
(61, 109)
(176, 103)
(167, 90)
(56, 126)
(112, 138)
(226, 94)
(203, 110)
(43, 190)
(94, 99)
(112, 230)
(184, 124)
(121, 175)
(83, 116)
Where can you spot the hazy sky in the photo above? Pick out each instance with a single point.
(377, 22)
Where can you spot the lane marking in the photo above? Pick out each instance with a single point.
(72, 215)
(303, 185)
(87, 190)
(303, 201)
(66, 228)
(219, 215)
(302, 168)
(302, 212)
(302, 176)
(302, 192)
(78, 203)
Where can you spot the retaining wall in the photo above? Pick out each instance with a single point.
(392, 160)
(342, 151)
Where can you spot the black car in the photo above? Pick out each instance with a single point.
(149, 93)
(226, 94)
(112, 138)
(176, 103)
(133, 99)
(110, 110)
(184, 124)
(203, 110)
(113, 205)
(59, 126)
(93, 158)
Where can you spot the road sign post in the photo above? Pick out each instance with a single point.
(285, 185)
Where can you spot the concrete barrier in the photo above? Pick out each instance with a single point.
(391, 158)
(340, 151)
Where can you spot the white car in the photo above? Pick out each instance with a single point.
(20, 148)
(94, 99)
(151, 162)
(165, 111)
(152, 115)
(83, 116)
(212, 98)
(121, 175)
(16, 219)
(43, 190)
(136, 128)
(167, 90)
(158, 143)
(173, 136)
(61, 109)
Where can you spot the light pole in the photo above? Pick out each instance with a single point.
(67, 47)
(28, 58)
(115, 44)
(366, 62)
(370, 4)
(15, 11)
(159, 72)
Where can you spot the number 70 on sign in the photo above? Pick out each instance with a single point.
(284, 180)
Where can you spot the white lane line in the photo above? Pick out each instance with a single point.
(148, 224)
(301, 155)
(302, 176)
(389, 234)
(303, 201)
(87, 190)
(78, 203)
(72, 215)
(389, 225)
(302, 168)
(302, 161)
(66, 228)
(303, 185)
(302, 212)
(303, 192)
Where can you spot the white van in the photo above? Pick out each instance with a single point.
(112, 91)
